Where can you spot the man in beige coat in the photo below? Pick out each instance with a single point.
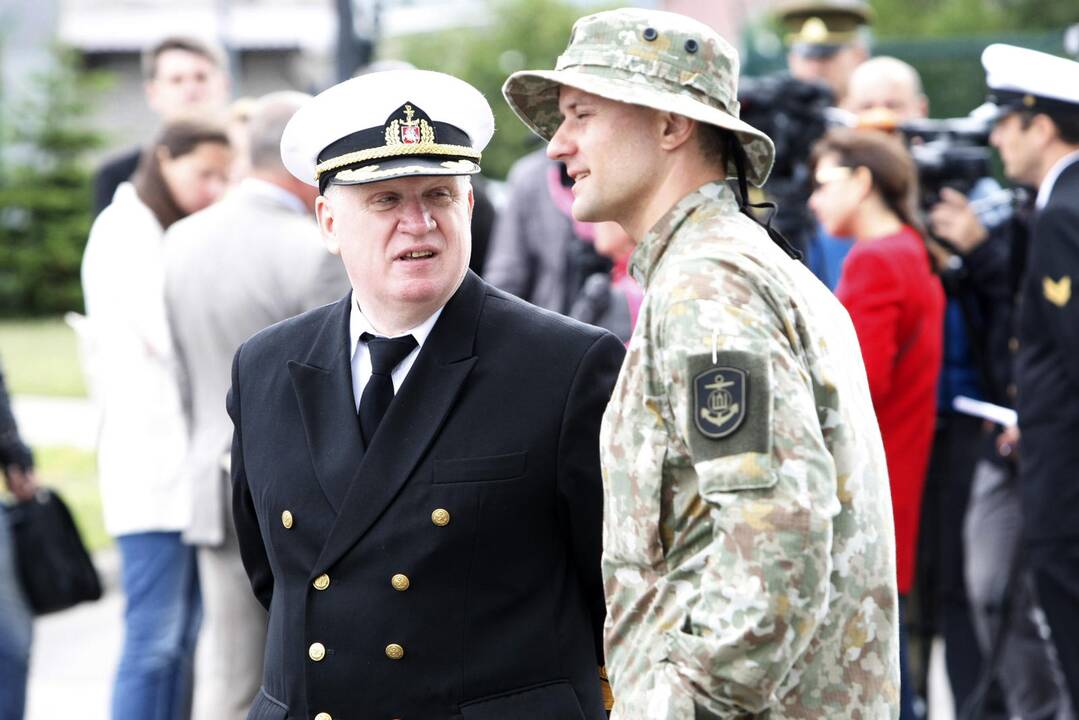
(251, 260)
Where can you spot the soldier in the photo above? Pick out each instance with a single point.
(749, 550)
(826, 40)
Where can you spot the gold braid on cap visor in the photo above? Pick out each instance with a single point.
(391, 151)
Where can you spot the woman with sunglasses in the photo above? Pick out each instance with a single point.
(866, 188)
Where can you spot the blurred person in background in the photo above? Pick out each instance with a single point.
(1036, 97)
(866, 188)
(826, 40)
(16, 619)
(611, 298)
(240, 265)
(237, 127)
(183, 77)
(141, 440)
(886, 93)
(538, 251)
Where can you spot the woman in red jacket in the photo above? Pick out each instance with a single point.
(866, 188)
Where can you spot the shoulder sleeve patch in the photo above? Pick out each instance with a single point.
(731, 404)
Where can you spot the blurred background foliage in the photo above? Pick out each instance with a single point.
(522, 34)
(45, 191)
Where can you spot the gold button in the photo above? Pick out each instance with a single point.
(441, 517)
(394, 651)
(322, 582)
(1012, 391)
(323, 716)
(316, 652)
(1013, 344)
(286, 519)
(400, 582)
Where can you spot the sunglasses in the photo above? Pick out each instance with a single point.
(827, 175)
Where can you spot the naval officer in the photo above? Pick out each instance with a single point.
(1037, 136)
(415, 467)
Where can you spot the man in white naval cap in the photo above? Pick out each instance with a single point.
(1037, 135)
(415, 467)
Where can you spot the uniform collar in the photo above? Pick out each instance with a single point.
(649, 251)
(358, 325)
(1046, 188)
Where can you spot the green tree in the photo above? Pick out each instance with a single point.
(521, 34)
(946, 18)
(45, 213)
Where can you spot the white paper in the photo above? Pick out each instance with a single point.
(988, 411)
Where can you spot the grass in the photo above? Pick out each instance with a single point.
(72, 473)
(40, 357)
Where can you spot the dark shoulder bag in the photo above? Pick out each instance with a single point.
(54, 568)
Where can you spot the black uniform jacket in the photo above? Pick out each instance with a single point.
(1047, 367)
(452, 568)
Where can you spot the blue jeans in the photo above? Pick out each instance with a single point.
(161, 621)
(16, 626)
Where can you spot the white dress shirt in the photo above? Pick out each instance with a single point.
(1046, 188)
(361, 356)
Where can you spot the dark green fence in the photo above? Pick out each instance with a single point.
(951, 68)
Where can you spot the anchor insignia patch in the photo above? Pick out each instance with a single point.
(720, 401)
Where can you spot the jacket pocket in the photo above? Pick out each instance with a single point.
(481, 469)
(551, 701)
(267, 707)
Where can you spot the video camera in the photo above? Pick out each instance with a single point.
(952, 153)
(794, 113)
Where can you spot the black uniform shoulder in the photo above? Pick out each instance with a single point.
(296, 335)
(535, 325)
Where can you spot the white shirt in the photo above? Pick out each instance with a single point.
(361, 356)
(1046, 188)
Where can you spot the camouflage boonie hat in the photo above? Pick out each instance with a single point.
(657, 59)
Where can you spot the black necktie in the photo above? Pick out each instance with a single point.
(386, 354)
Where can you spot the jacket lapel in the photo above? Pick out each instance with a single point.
(412, 421)
(322, 382)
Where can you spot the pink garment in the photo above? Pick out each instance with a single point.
(562, 197)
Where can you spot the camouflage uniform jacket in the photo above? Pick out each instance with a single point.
(749, 551)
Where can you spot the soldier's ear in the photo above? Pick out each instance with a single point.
(325, 217)
(675, 130)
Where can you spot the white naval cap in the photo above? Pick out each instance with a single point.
(1022, 79)
(388, 124)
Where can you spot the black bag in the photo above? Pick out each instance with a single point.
(55, 570)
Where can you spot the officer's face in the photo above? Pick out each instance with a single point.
(833, 70)
(608, 148)
(405, 242)
(184, 83)
(199, 178)
(1020, 152)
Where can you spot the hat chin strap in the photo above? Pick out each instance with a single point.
(737, 153)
